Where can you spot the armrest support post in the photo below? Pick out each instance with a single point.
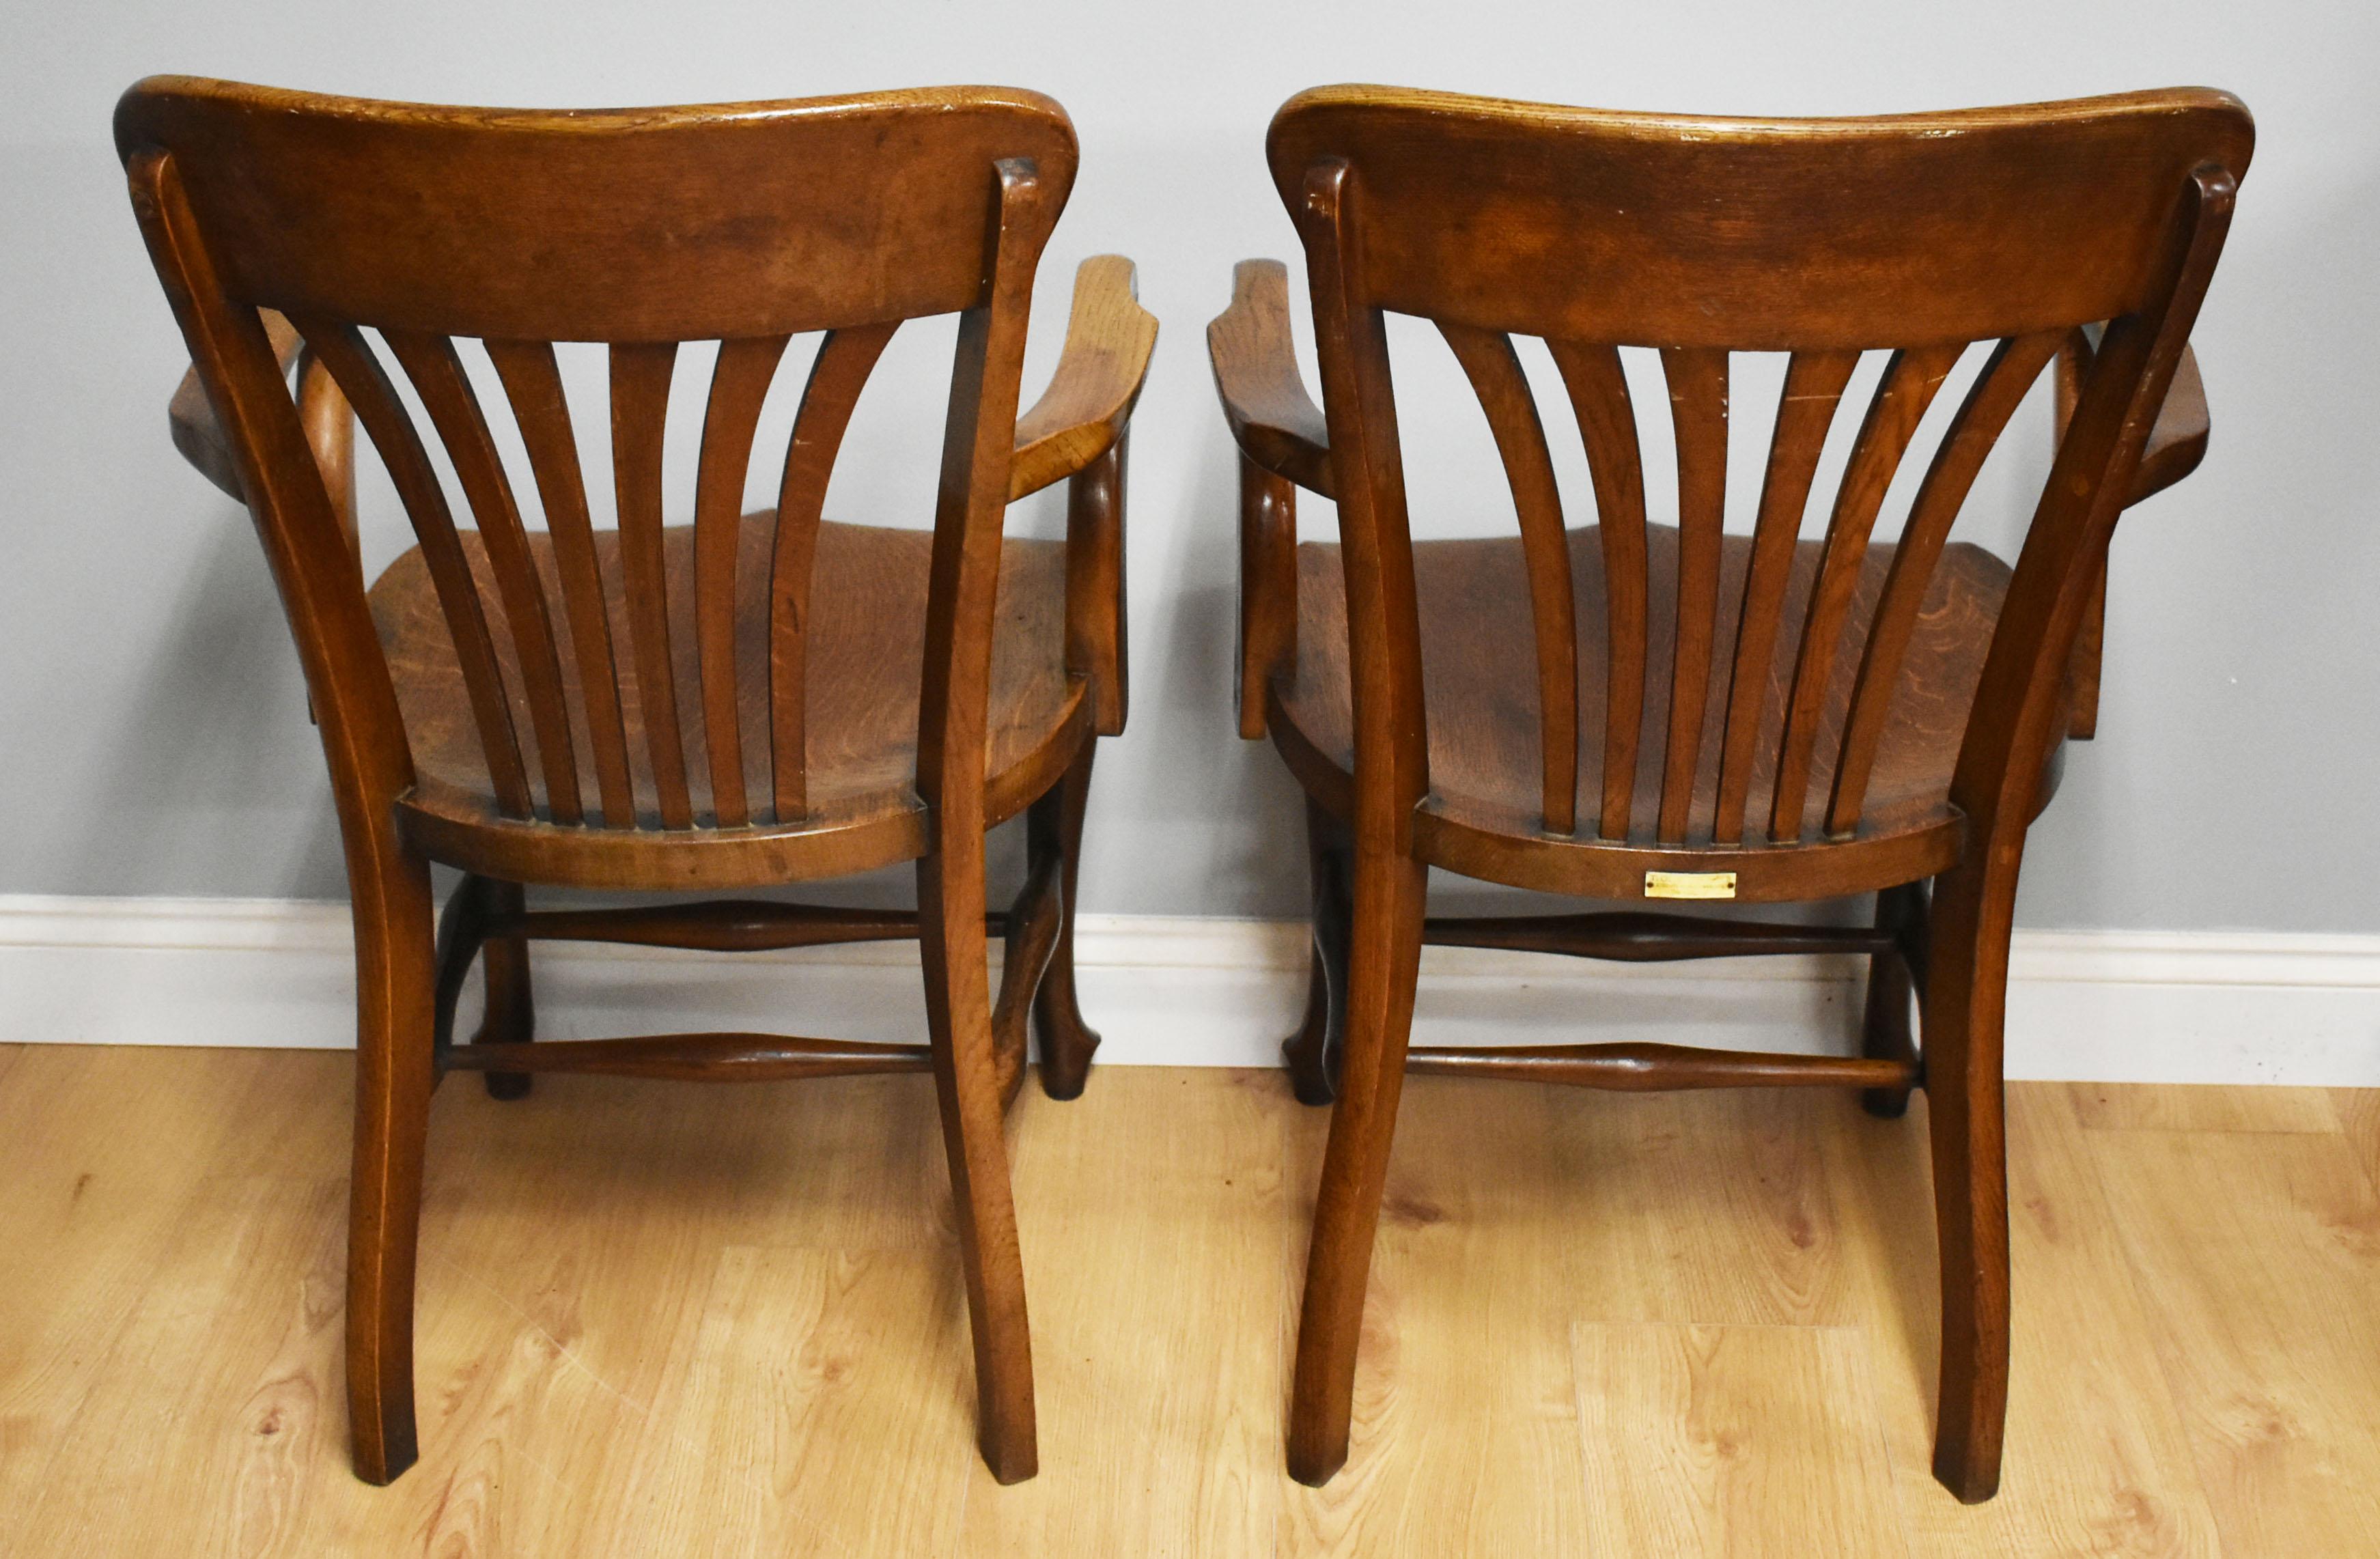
(2177, 444)
(1268, 587)
(1095, 584)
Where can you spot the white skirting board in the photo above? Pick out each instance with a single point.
(2167, 1006)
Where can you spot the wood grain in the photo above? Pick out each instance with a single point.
(658, 1319)
(1718, 1439)
(2104, 1467)
(2273, 1369)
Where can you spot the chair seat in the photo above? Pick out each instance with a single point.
(866, 652)
(1484, 814)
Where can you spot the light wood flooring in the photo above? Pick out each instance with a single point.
(661, 1319)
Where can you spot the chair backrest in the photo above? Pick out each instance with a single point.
(1916, 234)
(641, 229)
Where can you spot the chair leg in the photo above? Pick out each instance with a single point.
(511, 1016)
(958, 1014)
(1384, 960)
(462, 932)
(463, 935)
(1887, 1035)
(1054, 828)
(1966, 992)
(1034, 921)
(1312, 1051)
(395, 980)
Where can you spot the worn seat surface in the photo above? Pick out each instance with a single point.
(865, 641)
(1477, 652)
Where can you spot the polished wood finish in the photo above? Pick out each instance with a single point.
(1086, 409)
(749, 700)
(1645, 1068)
(704, 1057)
(1596, 1321)
(1256, 373)
(1767, 717)
(1647, 938)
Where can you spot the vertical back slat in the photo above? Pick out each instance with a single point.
(1495, 372)
(532, 382)
(1814, 387)
(640, 381)
(844, 360)
(341, 349)
(2015, 364)
(432, 363)
(1697, 379)
(1909, 385)
(1607, 425)
(739, 382)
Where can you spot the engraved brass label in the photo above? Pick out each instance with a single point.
(1689, 885)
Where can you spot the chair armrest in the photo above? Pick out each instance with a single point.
(197, 433)
(1273, 420)
(1090, 397)
(321, 410)
(2178, 442)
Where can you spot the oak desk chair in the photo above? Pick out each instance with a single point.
(754, 699)
(1758, 718)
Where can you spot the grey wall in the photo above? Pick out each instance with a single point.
(152, 731)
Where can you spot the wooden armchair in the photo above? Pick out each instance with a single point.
(753, 699)
(1636, 712)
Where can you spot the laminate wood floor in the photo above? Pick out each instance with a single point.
(663, 1319)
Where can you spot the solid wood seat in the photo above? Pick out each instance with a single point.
(1642, 710)
(866, 650)
(1486, 765)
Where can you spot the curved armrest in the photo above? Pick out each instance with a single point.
(197, 433)
(2178, 442)
(321, 408)
(1090, 397)
(1273, 420)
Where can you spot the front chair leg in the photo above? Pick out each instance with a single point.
(475, 919)
(966, 1080)
(395, 993)
(1966, 993)
(510, 1017)
(1887, 1034)
(1054, 832)
(1384, 961)
(1312, 1051)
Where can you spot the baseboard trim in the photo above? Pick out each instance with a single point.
(2170, 1007)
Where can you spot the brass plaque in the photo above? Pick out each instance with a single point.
(1689, 885)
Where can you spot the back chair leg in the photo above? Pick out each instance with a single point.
(1053, 828)
(966, 1079)
(1384, 960)
(1966, 992)
(512, 1011)
(396, 982)
(1312, 1051)
(1887, 1032)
